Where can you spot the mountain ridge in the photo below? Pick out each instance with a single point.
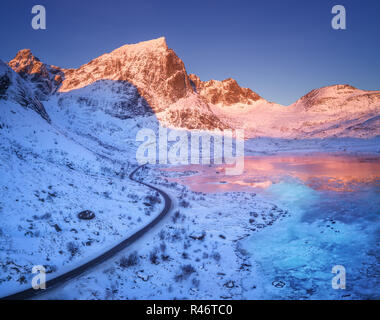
(182, 100)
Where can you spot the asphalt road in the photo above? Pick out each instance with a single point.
(53, 283)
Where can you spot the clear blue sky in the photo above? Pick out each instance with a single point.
(279, 48)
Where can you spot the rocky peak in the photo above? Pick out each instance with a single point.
(157, 72)
(46, 78)
(226, 92)
(26, 63)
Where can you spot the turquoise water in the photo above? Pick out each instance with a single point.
(334, 206)
(295, 256)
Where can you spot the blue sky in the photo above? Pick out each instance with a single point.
(281, 49)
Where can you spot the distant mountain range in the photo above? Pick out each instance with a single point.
(149, 78)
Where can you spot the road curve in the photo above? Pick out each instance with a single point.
(53, 283)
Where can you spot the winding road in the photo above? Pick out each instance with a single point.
(53, 283)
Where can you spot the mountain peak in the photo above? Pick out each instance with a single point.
(25, 54)
(25, 62)
(152, 67)
(29, 67)
(154, 45)
(226, 92)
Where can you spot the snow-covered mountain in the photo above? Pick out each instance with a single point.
(334, 111)
(343, 111)
(159, 76)
(149, 78)
(14, 88)
(45, 78)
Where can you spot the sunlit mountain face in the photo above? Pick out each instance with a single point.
(319, 171)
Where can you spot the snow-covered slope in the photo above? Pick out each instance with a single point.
(48, 174)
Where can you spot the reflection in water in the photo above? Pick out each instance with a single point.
(334, 202)
(319, 171)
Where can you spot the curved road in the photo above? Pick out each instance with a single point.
(30, 293)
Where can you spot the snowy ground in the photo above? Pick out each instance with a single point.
(194, 254)
(280, 243)
(214, 245)
(46, 180)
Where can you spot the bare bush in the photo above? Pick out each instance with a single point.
(162, 235)
(151, 200)
(184, 204)
(186, 271)
(216, 256)
(131, 260)
(153, 256)
(177, 217)
(73, 248)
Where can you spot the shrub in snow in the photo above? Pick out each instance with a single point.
(186, 245)
(73, 248)
(186, 271)
(151, 200)
(185, 255)
(162, 235)
(176, 216)
(165, 257)
(176, 236)
(184, 204)
(216, 256)
(131, 260)
(153, 256)
(195, 282)
(106, 194)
